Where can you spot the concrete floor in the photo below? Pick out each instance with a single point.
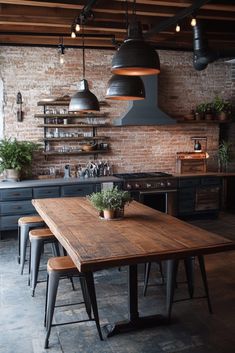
(193, 329)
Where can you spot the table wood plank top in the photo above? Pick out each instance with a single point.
(143, 235)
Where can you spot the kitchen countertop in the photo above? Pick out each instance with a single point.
(204, 174)
(70, 181)
(56, 181)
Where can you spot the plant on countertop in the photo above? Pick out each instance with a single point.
(16, 155)
(112, 200)
(224, 155)
(221, 106)
(201, 108)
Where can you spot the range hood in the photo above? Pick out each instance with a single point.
(146, 111)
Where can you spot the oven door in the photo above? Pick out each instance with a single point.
(161, 200)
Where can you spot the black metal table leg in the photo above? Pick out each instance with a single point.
(134, 320)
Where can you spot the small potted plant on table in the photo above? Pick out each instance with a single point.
(16, 157)
(110, 203)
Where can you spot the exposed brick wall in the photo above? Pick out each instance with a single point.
(36, 73)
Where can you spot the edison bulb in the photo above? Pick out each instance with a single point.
(77, 27)
(61, 59)
(193, 22)
(73, 34)
(177, 28)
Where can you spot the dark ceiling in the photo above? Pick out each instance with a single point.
(44, 23)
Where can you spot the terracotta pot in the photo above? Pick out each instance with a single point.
(12, 174)
(222, 116)
(108, 214)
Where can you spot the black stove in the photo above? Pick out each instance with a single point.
(147, 181)
(142, 175)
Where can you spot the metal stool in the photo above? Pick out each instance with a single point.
(172, 268)
(24, 226)
(58, 268)
(38, 238)
(147, 272)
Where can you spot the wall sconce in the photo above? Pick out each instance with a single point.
(19, 103)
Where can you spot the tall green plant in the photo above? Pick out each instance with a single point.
(224, 155)
(16, 154)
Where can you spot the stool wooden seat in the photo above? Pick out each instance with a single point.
(29, 219)
(40, 233)
(24, 225)
(58, 268)
(38, 237)
(62, 263)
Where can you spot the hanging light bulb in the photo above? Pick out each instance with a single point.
(73, 32)
(61, 50)
(193, 21)
(77, 27)
(84, 100)
(177, 28)
(77, 24)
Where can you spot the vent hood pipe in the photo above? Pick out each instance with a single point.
(146, 112)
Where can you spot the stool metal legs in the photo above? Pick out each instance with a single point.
(53, 278)
(92, 294)
(53, 282)
(172, 268)
(23, 234)
(36, 249)
(147, 272)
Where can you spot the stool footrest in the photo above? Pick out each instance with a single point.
(71, 322)
(62, 305)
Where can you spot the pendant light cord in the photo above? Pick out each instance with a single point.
(134, 9)
(127, 15)
(83, 53)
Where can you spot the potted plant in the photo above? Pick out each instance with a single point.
(224, 155)
(222, 108)
(200, 111)
(110, 203)
(16, 157)
(209, 111)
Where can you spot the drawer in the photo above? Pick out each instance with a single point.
(16, 194)
(10, 222)
(17, 207)
(188, 182)
(46, 192)
(210, 181)
(77, 190)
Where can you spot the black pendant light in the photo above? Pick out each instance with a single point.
(125, 88)
(84, 100)
(135, 57)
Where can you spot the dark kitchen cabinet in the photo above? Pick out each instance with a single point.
(199, 195)
(16, 202)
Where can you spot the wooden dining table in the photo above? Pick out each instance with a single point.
(143, 235)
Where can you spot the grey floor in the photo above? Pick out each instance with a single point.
(192, 330)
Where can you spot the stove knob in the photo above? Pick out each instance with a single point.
(162, 184)
(168, 183)
(148, 186)
(137, 186)
(128, 186)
